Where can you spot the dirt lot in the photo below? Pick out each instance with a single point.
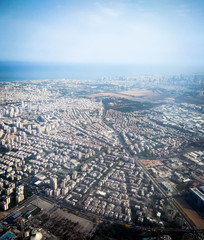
(192, 214)
(150, 163)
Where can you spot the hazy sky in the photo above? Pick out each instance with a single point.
(103, 31)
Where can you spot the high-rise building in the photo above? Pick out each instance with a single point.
(64, 191)
(4, 205)
(74, 175)
(57, 192)
(197, 198)
(67, 178)
(19, 193)
(22, 105)
(63, 184)
(79, 155)
(53, 183)
(11, 112)
(49, 192)
(84, 167)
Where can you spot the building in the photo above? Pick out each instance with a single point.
(63, 184)
(57, 192)
(19, 198)
(36, 235)
(84, 167)
(19, 193)
(196, 197)
(49, 192)
(53, 183)
(64, 191)
(8, 191)
(4, 205)
(74, 175)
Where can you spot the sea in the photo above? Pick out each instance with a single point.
(17, 71)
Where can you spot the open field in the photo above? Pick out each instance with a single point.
(116, 95)
(133, 95)
(136, 95)
(192, 214)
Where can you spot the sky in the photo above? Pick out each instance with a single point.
(151, 32)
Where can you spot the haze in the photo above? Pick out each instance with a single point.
(115, 32)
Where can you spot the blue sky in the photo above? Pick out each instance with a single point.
(149, 32)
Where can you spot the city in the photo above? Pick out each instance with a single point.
(123, 150)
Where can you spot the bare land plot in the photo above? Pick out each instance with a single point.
(85, 225)
(135, 95)
(139, 93)
(42, 204)
(116, 95)
(131, 95)
(192, 214)
(151, 163)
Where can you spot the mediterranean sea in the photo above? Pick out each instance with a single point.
(16, 71)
